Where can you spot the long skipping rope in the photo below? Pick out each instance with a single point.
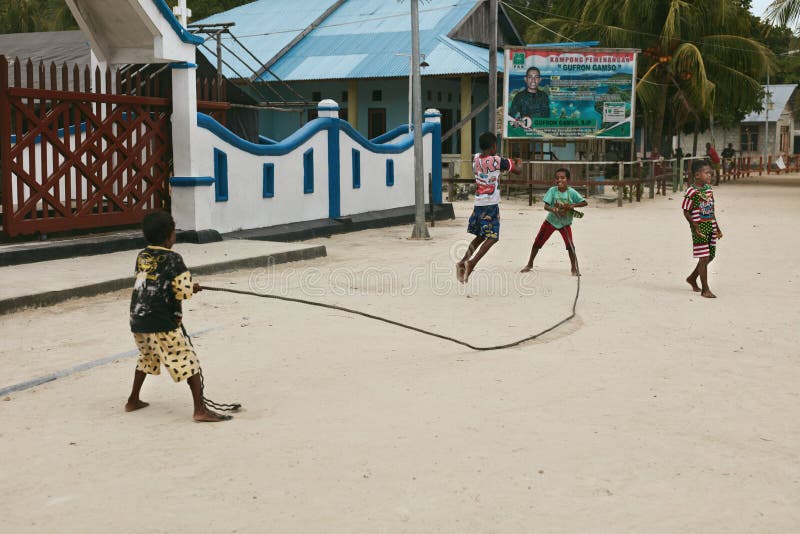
(414, 328)
(210, 404)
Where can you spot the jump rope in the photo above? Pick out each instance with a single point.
(231, 407)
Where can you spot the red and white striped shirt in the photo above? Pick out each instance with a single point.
(700, 202)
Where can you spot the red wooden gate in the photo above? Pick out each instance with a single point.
(80, 157)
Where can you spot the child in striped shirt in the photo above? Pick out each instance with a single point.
(698, 209)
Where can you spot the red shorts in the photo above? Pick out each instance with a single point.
(547, 230)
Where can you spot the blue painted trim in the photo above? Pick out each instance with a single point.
(328, 108)
(431, 115)
(60, 133)
(308, 171)
(391, 134)
(264, 140)
(389, 172)
(183, 65)
(436, 163)
(268, 180)
(334, 173)
(221, 175)
(305, 133)
(356, 155)
(184, 35)
(191, 181)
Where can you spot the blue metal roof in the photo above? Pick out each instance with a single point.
(780, 94)
(360, 39)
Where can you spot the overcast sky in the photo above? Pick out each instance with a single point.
(759, 6)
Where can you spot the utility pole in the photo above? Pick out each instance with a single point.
(493, 66)
(420, 230)
(767, 103)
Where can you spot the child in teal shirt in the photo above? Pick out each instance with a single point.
(560, 202)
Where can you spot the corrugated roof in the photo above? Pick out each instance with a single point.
(70, 47)
(264, 27)
(780, 93)
(361, 39)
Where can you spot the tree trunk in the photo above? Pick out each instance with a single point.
(657, 124)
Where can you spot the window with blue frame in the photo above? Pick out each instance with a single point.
(389, 172)
(268, 190)
(356, 169)
(308, 171)
(220, 175)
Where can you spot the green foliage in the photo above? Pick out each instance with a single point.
(20, 16)
(205, 8)
(699, 59)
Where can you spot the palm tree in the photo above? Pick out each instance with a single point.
(783, 12)
(695, 55)
(19, 16)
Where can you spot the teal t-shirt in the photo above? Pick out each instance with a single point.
(553, 197)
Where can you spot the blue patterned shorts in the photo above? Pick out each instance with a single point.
(485, 221)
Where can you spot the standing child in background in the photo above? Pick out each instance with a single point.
(715, 161)
(484, 222)
(698, 209)
(560, 201)
(162, 282)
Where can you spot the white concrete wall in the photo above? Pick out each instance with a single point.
(374, 194)
(246, 207)
(195, 205)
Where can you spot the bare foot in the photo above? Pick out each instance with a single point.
(132, 406)
(208, 416)
(526, 269)
(460, 268)
(693, 282)
(708, 294)
(467, 271)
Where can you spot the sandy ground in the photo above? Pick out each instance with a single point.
(652, 411)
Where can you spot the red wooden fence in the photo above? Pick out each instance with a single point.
(80, 156)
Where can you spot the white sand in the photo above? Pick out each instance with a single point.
(653, 411)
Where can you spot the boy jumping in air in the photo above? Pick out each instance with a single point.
(698, 209)
(484, 223)
(162, 282)
(560, 201)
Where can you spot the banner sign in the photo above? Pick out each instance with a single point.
(568, 93)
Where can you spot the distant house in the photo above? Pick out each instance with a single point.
(73, 49)
(748, 139)
(357, 52)
(70, 47)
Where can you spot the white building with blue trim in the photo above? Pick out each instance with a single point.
(357, 52)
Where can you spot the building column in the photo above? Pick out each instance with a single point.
(192, 195)
(466, 130)
(352, 103)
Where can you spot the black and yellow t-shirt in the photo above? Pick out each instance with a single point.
(162, 282)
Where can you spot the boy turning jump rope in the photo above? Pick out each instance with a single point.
(162, 282)
(560, 202)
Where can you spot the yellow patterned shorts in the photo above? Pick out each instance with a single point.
(170, 348)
